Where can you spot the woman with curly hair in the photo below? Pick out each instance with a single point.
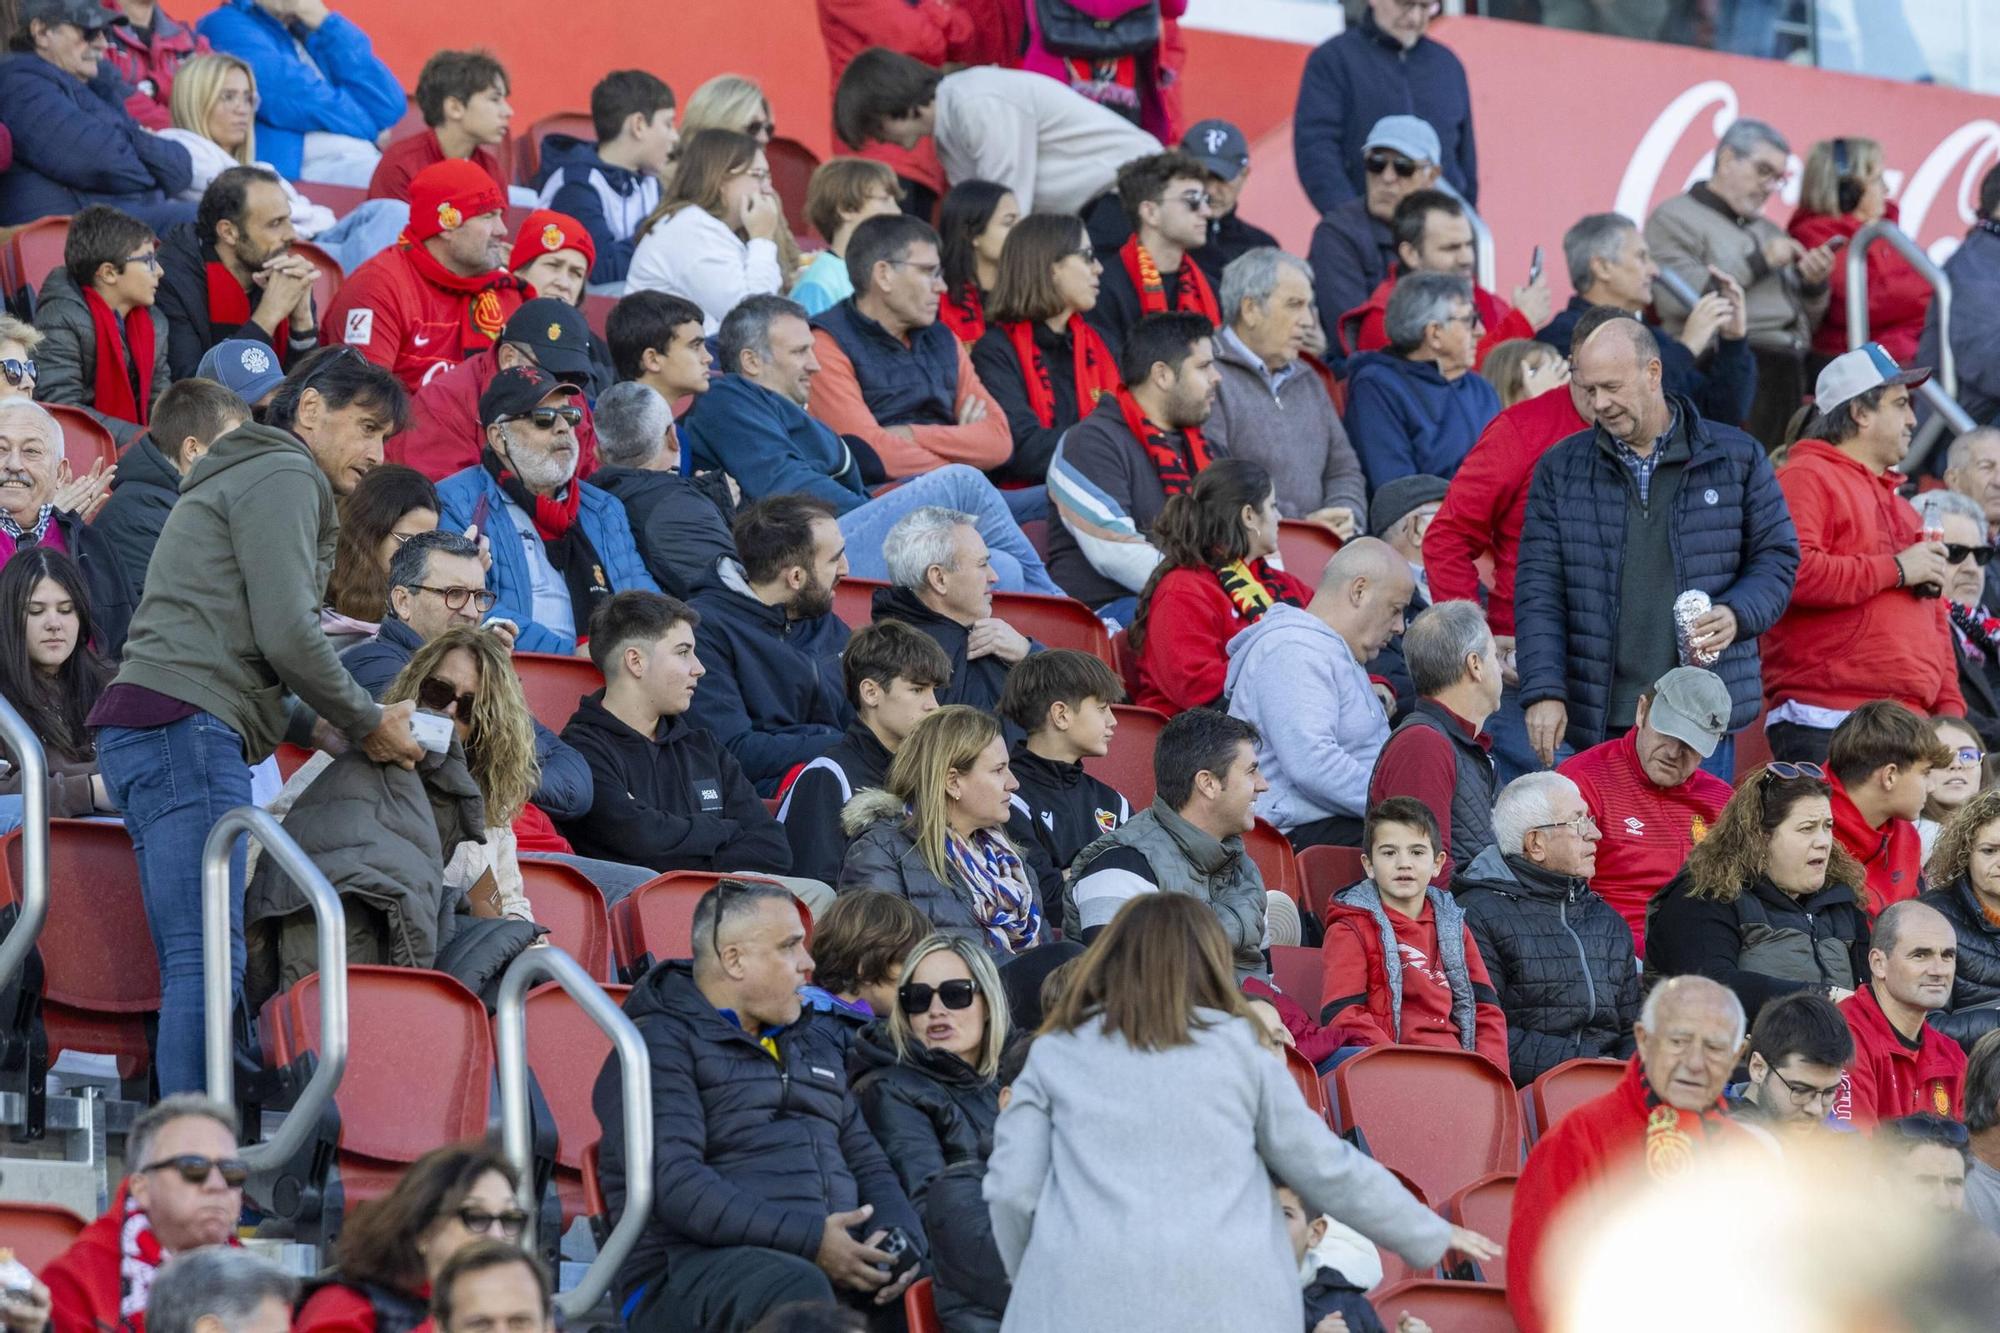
(1768, 903)
(1965, 871)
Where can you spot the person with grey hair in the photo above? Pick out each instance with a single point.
(1416, 406)
(1561, 958)
(1719, 225)
(1982, 1123)
(752, 424)
(681, 522)
(1438, 753)
(1271, 406)
(1972, 468)
(769, 1187)
(942, 584)
(1708, 362)
(221, 1290)
(31, 456)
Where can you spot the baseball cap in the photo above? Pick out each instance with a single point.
(556, 332)
(545, 231)
(1219, 146)
(519, 390)
(244, 366)
(1691, 705)
(1854, 373)
(86, 14)
(444, 194)
(1412, 136)
(1400, 497)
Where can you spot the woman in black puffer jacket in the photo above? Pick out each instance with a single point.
(927, 1075)
(1966, 862)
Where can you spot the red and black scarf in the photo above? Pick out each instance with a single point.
(964, 313)
(1096, 370)
(569, 547)
(229, 308)
(1254, 587)
(1177, 467)
(485, 314)
(1194, 296)
(124, 387)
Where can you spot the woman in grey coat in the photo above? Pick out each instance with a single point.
(1131, 1181)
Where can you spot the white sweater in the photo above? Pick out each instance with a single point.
(693, 254)
(211, 160)
(1053, 147)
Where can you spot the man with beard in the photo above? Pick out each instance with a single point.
(770, 642)
(561, 547)
(231, 273)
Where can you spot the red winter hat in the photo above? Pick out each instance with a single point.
(444, 194)
(545, 231)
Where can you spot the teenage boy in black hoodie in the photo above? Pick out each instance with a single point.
(1062, 699)
(892, 674)
(666, 796)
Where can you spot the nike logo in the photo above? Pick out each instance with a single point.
(419, 340)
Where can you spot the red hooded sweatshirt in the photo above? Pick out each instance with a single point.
(1893, 855)
(1889, 1077)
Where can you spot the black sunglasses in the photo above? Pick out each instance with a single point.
(438, 694)
(1377, 163)
(17, 371)
(545, 418)
(1953, 553)
(478, 1221)
(915, 996)
(194, 1169)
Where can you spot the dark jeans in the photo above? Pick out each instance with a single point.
(1798, 745)
(1781, 387)
(728, 1290)
(1333, 831)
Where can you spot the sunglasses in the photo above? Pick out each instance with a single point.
(1777, 768)
(545, 418)
(438, 694)
(915, 996)
(758, 129)
(1979, 555)
(17, 372)
(194, 1169)
(1379, 162)
(479, 1222)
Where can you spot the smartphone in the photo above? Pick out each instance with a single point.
(1535, 267)
(1714, 284)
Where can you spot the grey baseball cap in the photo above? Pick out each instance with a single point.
(1219, 146)
(86, 14)
(1691, 705)
(1412, 136)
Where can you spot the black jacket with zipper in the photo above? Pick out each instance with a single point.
(811, 808)
(1058, 811)
(142, 495)
(183, 299)
(1824, 935)
(977, 681)
(926, 1109)
(1975, 988)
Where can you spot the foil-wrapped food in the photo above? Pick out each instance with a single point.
(1690, 607)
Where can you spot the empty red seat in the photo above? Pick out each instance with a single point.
(1327, 871)
(566, 1052)
(1128, 767)
(657, 918)
(1056, 622)
(36, 250)
(1486, 1206)
(86, 440)
(1305, 548)
(572, 907)
(554, 684)
(1389, 1098)
(1562, 1089)
(1394, 1267)
(1276, 861)
(38, 1232)
(1303, 1074)
(1459, 1307)
(528, 148)
(1298, 973)
(792, 165)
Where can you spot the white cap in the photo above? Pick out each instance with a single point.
(1854, 373)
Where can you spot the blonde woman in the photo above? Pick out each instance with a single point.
(732, 102)
(1841, 190)
(933, 833)
(1522, 368)
(712, 239)
(927, 1075)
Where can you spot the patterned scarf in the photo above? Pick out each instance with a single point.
(1978, 633)
(1194, 295)
(1252, 590)
(964, 313)
(140, 1255)
(124, 384)
(229, 307)
(1095, 369)
(1177, 467)
(14, 530)
(568, 545)
(1001, 896)
(484, 312)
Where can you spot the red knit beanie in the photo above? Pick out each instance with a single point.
(545, 231)
(444, 194)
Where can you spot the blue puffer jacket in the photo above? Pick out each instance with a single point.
(1732, 538)
(1404, 417)
(604, 522)
(75, 145)
(337, 86)
(768, 443)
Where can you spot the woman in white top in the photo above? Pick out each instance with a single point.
(713, 237)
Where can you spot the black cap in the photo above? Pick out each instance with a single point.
(519, 390)
(1402, 496)
(555, 331)
(86, 14)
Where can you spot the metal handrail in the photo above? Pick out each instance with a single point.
(510, 1032)
(1881, 229)
(33, 890)
(218, 992)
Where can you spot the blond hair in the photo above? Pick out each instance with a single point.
(500, 749)
(985, 980)
(948, 741)
(198, 87)
(1819, 183)
(1162, 957)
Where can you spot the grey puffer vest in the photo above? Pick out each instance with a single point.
(1475, 786)
(1186, 860)
(1451, 956)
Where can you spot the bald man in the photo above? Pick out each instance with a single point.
(1902, 1065)
(1296, 674)
(1666, 1111)
(1651, 502)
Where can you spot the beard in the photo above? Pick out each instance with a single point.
(811, 601)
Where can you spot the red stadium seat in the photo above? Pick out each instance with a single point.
(1388, 1098)
(38, 1232)
(1562, 1089)
(566, 1052)
(792, 165)
(1305, 548)
(411, 123)
(1328, 871)
(1125, 663)
(596, 311)
(36, 250)
(1056, 622)
(86, 440)
(331, 276)
(1303, 1074)
(573, 909)
(853, 601)
(554, 684)
(1460, 1307)
(1753, 749)
(1299, 973)
(528, 148)
(1394, 1267)
(102, 977)
(657, 918)
(1128, 767)
(1276, 861)
(1486, 1206)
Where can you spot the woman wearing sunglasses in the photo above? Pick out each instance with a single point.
(1769, 902)
(391, 504)
(926, 1074)
(1965, 868)
(1953, 784)
(392, 1248)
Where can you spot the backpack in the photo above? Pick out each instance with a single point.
(1068, 31)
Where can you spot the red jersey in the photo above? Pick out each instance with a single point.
(403, 159)
(400, 319)
(1891, 1077)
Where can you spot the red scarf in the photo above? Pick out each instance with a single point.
(114, 394)
(229, 307)
(484, 314)
(964, 313)
(1177, 467)
(1193, 297)
(1096, 370)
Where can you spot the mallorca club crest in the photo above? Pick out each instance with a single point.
(1668, 1149)
(1697, 830)
(552, 238)
(448, 216)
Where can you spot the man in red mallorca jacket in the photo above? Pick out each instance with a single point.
(1667, 1110)
(1879, 761)
(1867, 619)
(1648, 793)
(1902, 1065)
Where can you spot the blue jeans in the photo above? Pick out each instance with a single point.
(370, 229)
(1513, 757)
(10, 814)
(954, 486)
(174, 784)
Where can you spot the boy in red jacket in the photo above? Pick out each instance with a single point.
(1401, 965)
(1879, 761)
(1902, 1065)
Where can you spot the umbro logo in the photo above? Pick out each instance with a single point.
(1634, 826)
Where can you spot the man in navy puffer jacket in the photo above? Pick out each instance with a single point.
(1622, 519)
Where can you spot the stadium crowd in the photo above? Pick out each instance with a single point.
(1639, 701)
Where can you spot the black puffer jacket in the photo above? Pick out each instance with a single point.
(926, 1109)
(1560, 957)
(747, 1149)
(969, 1280)
(1762, 944)
(1975, 991)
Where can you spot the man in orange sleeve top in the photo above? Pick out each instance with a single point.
(889, 373)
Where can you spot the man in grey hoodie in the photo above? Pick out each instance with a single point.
(1296, 675)
(227, 630)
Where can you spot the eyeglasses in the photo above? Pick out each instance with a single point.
(1780, 769)
(723, 890)
(1381, 161)
(478, 1221)
(1805, 1094)
(150, 259)
(1979, 555)
(438, 694)
(18, 372)
(545, 418)
(194, 1169)
(1471, 319)
(915, 996)
(244, 98)
(1430, 7)
(1583, 825)
(761, 175)
(1967, 756)
(456, 598)
(1768, 174)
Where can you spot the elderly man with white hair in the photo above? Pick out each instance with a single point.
(1975, 632)
(943, 582)
(1972, 468)
(222, 1290)
(1561, 958)
(31, 457)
